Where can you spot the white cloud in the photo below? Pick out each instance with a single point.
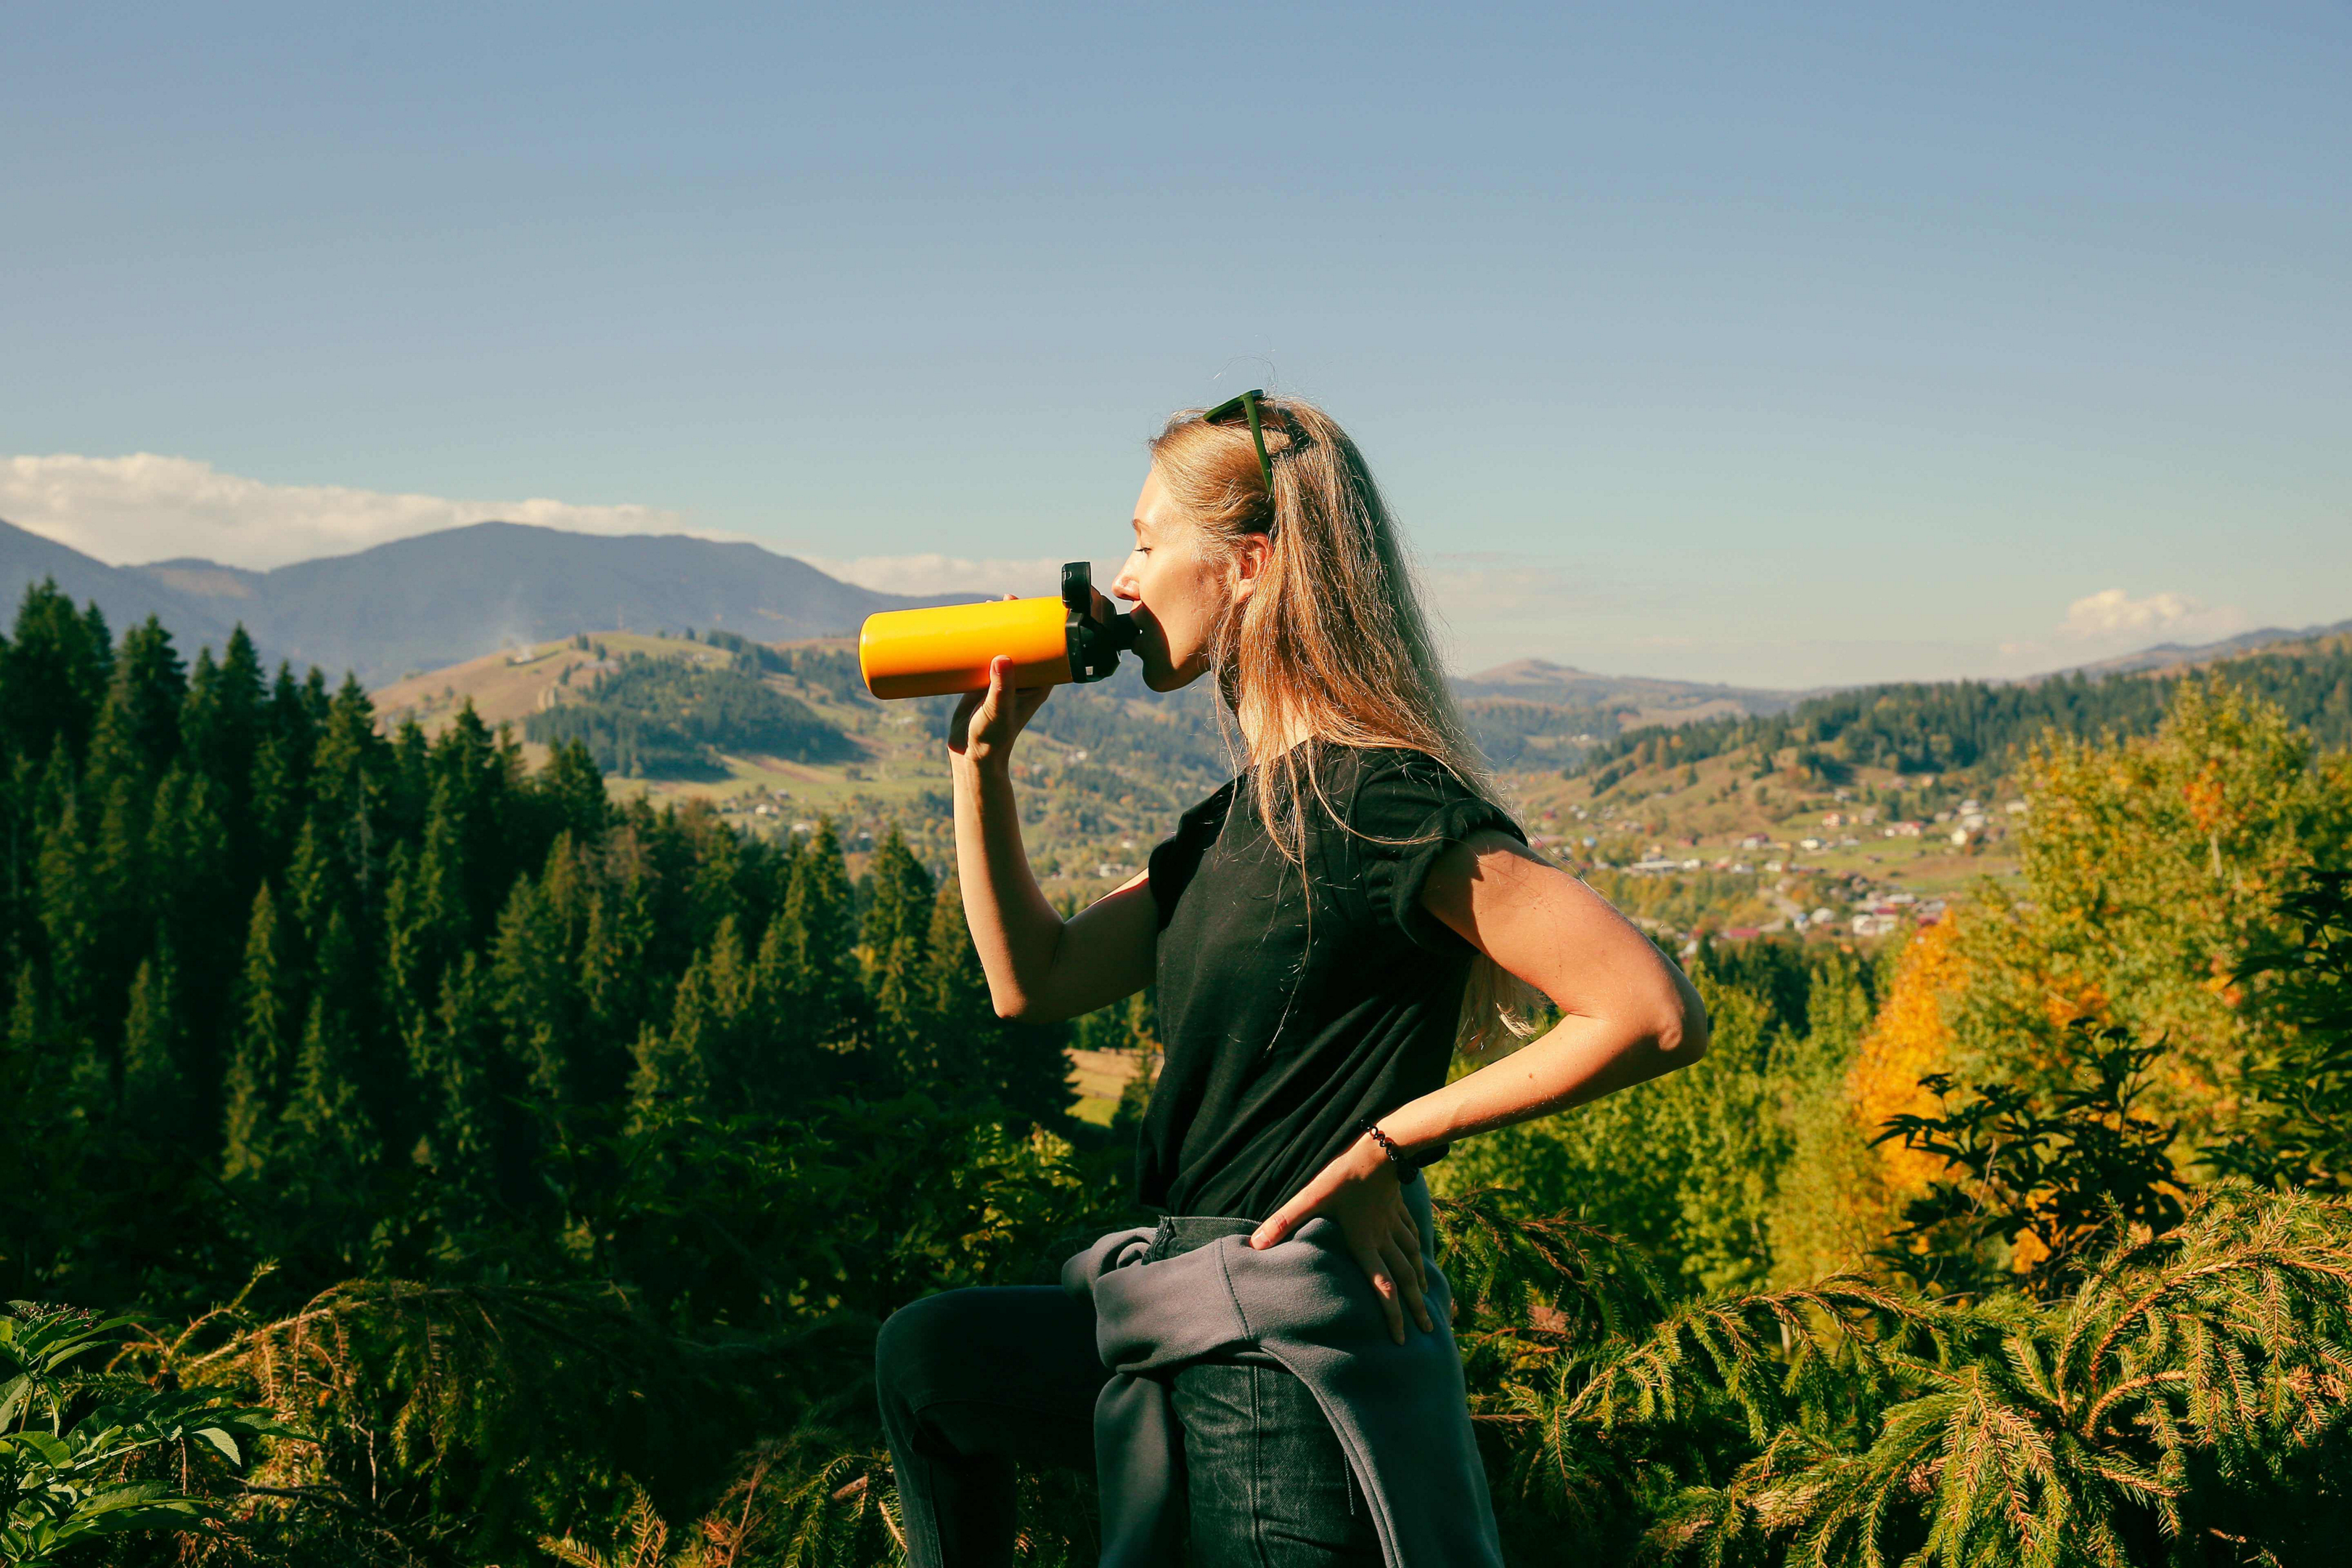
(149, 508)
(1034, 578)
(2113, 614)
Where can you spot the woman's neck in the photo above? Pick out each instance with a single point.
(1264, 737)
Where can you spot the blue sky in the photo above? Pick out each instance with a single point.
(1770, 344)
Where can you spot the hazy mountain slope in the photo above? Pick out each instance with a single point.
(442, 598)
(2167, 655)
(125, 594)
(1627, 699)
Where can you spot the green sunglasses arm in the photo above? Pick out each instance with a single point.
(1247, 403)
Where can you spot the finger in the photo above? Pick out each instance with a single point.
(1277, 1226)
(1408, 1240)
(1408, 1286)
(1385, 1285)
(991, 697)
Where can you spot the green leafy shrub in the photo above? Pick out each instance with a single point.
(2043, 1175)
(78, 1449)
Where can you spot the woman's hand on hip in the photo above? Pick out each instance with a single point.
(987, 720)
(1359, 1192)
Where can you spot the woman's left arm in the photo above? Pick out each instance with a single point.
(1626, 1014)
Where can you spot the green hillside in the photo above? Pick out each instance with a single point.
(665, 719)
(1971, 727)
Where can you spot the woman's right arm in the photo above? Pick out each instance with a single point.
(1041, 968)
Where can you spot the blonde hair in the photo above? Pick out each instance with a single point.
(1332, 642)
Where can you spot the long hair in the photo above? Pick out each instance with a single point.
(1332, 642)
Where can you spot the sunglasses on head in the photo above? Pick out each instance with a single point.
(1247, 404)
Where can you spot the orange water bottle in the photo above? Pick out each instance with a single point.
(932, 653)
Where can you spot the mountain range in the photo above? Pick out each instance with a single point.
(439, 599)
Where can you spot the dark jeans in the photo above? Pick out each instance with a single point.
(971, 1380)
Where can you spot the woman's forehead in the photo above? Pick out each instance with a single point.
(1155, 508)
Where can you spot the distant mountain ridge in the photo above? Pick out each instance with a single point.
(1564, 686)
(442, 598)
(2166, 656)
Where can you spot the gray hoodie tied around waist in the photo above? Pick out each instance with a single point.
(1399, 1411)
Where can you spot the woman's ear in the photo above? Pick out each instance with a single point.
(1251, 557)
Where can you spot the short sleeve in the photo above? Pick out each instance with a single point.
(1407, 813)
(1175, 858)
(1172, 864)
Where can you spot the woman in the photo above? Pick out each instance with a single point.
(1325, 932)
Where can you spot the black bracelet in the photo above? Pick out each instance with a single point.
(1408, 1167)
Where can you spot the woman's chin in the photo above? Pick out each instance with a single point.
(1160, 676)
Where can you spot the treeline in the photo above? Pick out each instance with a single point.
(1969, 726)
(1516, 734)
(673, 718)
(278, 984)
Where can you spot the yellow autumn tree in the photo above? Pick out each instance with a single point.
(2150, 868)
(1841, 1195)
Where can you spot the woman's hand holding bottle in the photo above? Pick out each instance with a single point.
(987, 721)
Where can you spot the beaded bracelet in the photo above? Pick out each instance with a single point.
(1408, 1168)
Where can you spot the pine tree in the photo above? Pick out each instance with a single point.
(154, 1088)
(671, 1079)
(471, 858)
(439, 912)
(280, 792)
(187, 868)
(55, 674)
(352, 757)
(137, 734)
(73, 906)
(697, 1065)
(314, 879)
(722, 875)
(534, 984)
(573, 792)
(32, 1071)
(1023, 1068)
(819, 928)
(262, 1053)
(32, 1165)
(224, 718)
(617, 982)
(781, 1068)
(449, 1055)
(326, 1146)
(897, 938)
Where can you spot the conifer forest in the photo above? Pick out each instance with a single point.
(417, 1158)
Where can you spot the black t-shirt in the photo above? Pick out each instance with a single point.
(1276, 1046)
